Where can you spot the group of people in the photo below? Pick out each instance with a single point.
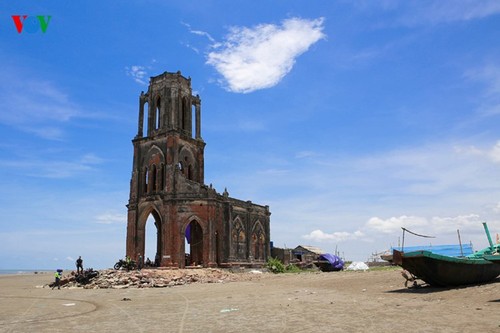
(79, 268)
(58, 273)
(148, 263)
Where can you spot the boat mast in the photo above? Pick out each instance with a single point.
(460, 242)
(488, 235)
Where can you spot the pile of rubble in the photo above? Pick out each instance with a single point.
(156, 278)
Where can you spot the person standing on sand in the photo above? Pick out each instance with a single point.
(58, 277)
(139, 263)
(79, 265)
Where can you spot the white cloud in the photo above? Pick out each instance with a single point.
(394, 224)
(30, 104)
(489, 75)
(441, 228)
(138, 73)
(306, 154)
(45, 132)
(328, 197)
(338, 236)
(439, 11)
(251, 125)
(414, 13)
(91, 159)
(38, 106)
(199, 32)
(491, 153)
(109, 218)
(469, 222)
(259, 57)
(51, 168)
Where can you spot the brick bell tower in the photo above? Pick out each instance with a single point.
(168, 184)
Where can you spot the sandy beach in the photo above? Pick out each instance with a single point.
(349, 301)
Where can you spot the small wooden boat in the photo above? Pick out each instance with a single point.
(443, 271)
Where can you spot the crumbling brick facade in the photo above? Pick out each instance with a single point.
(168, 183)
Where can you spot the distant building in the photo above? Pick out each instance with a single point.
(306, 253)
(284, 255)
(168, 184)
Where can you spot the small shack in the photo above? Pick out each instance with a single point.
(283, 254)
(306, 253)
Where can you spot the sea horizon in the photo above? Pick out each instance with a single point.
(13, 271)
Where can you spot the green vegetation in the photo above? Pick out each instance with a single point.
(385, 268)
(275, 265)
(291, 268)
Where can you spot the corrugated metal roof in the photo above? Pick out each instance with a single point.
(309, 248)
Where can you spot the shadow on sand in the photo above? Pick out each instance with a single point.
(427, 289)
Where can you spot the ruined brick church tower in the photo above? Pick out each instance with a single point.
(168, 184)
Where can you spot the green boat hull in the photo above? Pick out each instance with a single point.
(494, 258)
(444, 271)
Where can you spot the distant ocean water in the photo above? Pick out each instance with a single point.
(22, 271)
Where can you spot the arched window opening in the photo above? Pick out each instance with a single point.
(185, 114)
(193, 116)
(146, 180)
(258, 242)
(239, 241)
(182, 120)
(158, 114)
(153, 178)
(241, 245)
(162, 177)
(186, 165)
(145, 113)
(190, 172)
(255, 246)
(193, 244)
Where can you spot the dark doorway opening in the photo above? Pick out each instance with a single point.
(194, 244)
(152, 242)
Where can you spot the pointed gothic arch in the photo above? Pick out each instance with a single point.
(238, 238)
(150, 214)
(154, 155)
(188, 163)
(193, 232)
(258, 241)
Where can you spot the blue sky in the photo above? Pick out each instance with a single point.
(350, 119)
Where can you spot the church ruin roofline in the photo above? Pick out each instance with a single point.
(168, 75)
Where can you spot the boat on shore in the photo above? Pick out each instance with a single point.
(494, 258)
(445, 271)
